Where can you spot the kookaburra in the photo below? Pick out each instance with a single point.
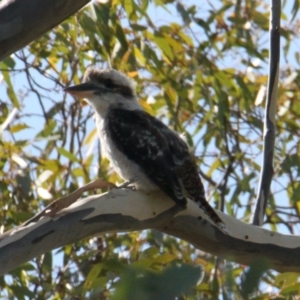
(141, 148)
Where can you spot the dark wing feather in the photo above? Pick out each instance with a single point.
(151, 145)
(184, 166)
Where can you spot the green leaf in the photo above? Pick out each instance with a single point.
(121, 37)
(10, 89)
(184, 14)
(9, 62)
(68, 155)
(18, 127)
(93, 274)
(128, 5)
(48, 129)
(163, 45)
(139, 56)
(172, 282)
(165, 258)
(47, 262)
(295, 9)
(216, 164)
(151, 251)
(137, 27)
(57, 107)
(252, 278)
(24, 182)
(20, 292)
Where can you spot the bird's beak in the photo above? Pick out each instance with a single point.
(83, 90)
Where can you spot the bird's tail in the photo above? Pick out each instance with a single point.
(203, 204)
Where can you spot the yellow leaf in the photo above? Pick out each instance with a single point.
(139, 56)
(164, 258)
(172, 94)
(125, 57)
(214, 166)
(146, 106)
(52, 62)
(18, 127)
(91, 136)
(163, 45)
(144, 263)
(115, 3)
(132, 74)
(93, 274)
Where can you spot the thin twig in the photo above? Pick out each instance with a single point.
(270, 111)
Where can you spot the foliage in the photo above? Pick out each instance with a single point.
(200, 68)
(171, 282)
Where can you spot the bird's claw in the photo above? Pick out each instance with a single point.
(127, 185)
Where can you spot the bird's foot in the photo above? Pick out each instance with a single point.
(127, 185)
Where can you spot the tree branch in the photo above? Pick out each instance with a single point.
(270, 112)
(22, 21)
(124, 210)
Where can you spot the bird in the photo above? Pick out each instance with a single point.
(141, 148)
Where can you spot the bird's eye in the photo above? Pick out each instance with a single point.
(109, 83)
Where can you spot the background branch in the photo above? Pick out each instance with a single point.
(270, 111)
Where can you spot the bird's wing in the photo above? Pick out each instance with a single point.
(152, 146)
(185, 168)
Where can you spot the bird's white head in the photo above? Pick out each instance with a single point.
(106, 88)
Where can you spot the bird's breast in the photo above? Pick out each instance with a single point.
(125, 167)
